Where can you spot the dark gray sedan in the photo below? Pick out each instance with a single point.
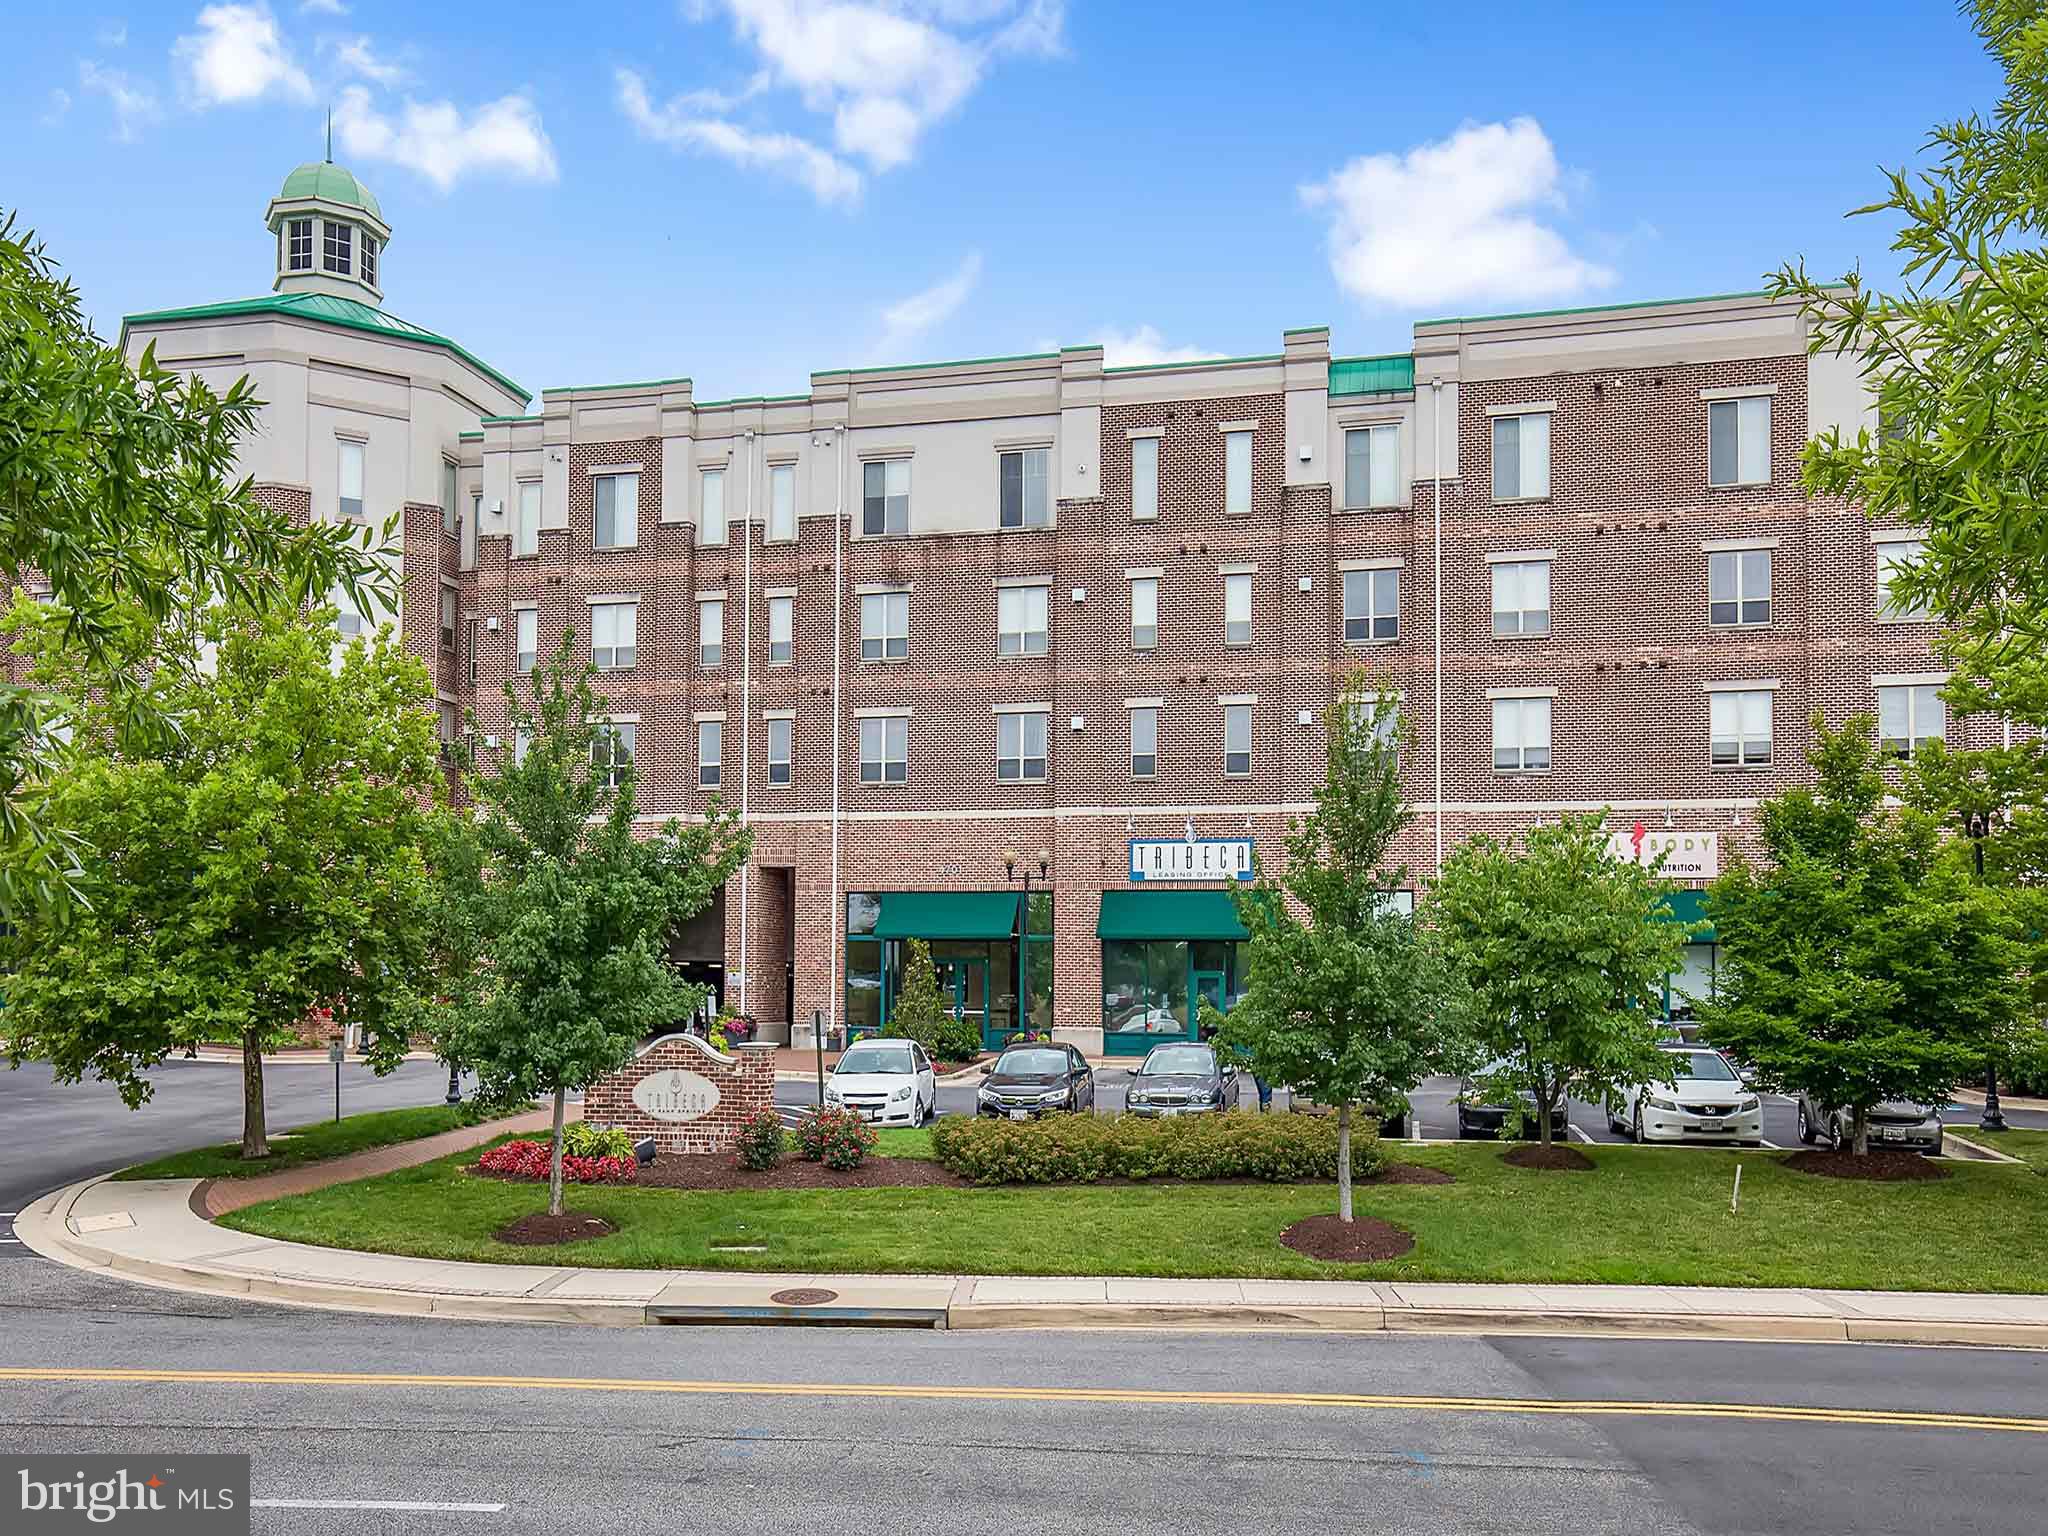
(1181, 1079)
(1906, 1127)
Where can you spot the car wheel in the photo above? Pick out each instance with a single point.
(1807, 1134)
(1635, 1130)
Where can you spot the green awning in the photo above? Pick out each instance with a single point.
(947, 915)
(1168, 915)
(1690, 907)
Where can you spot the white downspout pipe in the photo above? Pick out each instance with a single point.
(746, 711)
(1436, 468)
(838, 713)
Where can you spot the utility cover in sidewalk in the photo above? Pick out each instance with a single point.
(801, 1297)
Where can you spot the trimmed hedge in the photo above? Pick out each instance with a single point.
(1081, 1149)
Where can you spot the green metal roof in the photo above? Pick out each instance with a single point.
(1599, 309)
(960, 362)
(327, 309)
(336, 184)
(947, 914)
(587, 389)
(1372, 375)
(1168, 915)
(1195, 362)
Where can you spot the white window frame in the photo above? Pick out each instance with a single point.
(884, 626)
(347, 621)
(1749, 419)
(451, 503)
(522, 743)
(710, 633)
(1144, 479)
(1015, 730)
(351, 470)
(1237, 608)
(606, 759)
(781, 755)
(525, 639)
(1729, 573)
(781, 630)
(1512, 583)
(1523, 726)
(711, 505)
(337, 247)
(1144, 601)
(1234, 717)
(1531, 455)
(1371, 604)
(614, 635)
(1027, 513)
(366, 254)
(782, 503)
(893, 504)
(1237, 471)
(876, 740)
(1731, 721)
(1917, 700)
(293, 230)
(624, 487)
(1892, 553)
(1015, 636)
(526, 519)
(1148, 760)
(450, 601)
(1381, 476)
(710, 753)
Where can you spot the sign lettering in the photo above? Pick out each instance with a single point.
(1185, 859)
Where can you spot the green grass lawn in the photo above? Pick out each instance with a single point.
(2030, 1147)
(310, 1144)
(1647, 1216)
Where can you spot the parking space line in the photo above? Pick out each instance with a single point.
(1579, 1131)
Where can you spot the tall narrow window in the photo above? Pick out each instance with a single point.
(349, 477)
(1237, 739)
(447, 618)
(526, 519)
(476, 510)
(611, 753)
(1909, 716)
(1020, 746)
(1372, 606)
(885, 496)
(348, 620)
(1144, 478)
(780, 729)
(616, 523)
(1144, 741)
(711, 507)
(884, 626)
(1739, 441)
(369, 258)
(1738, 587)
(1521, 598)
(522, 743)
(884, 741)
(711, 632)
(526, 638)
(781, 630)
(469, 629)
(1022, 479)
(337, 245)
(298, 245)
(710, 753)
(782, 501)
(1739, 728)
(614, 635)
(1521, 735)
(1144, 612)
(1237, 471)
(1893, 557)
(451, 519)
(1020, 621)
(1237, 609)
(1521, 456)
(1372, 466)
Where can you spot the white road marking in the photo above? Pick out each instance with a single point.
(1580, 1134)
(1772, 1145)
(406, 1504)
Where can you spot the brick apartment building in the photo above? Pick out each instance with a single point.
(934, 628)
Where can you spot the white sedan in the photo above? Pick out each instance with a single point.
(888, 1082)
(1706, 1101)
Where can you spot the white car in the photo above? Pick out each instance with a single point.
(888, 1082)
(1706, 1101)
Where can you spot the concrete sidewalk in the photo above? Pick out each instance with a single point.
(148, 1231)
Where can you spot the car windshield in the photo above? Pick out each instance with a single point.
(1702, 1066)
(1039, 1063)
(1179, 1059)
(887, 1059)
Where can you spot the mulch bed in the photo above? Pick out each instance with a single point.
(1363, 1241)
(1407, 1173)
(541, 1230)
(1555, 1158)
(718, 1170)
(1889, 1166)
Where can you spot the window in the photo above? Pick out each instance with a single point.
(782, 501)
(1144, 741)
(617, 518)
(1020, 621)
(884, 626)
(1020, 746)
(780, 729)
(298, 252)
(451, 519)
(522, 743)
(1144, 612)
(781, 630)
(1237, 738)
(611, 753)
(711, 632)
(347, 620)
(1739, 441)
(1372, 605)
(447, 618)
(526, 638)
(349, 476)
(526, 519)
(1144, 478)
(1739, 725)
(1372, 466)
(1237, 471)
(335, 252)
(1893, 556)
(885, 496)
(614, 634)
(1022, 478)
(476, 510)
(1909, 715)
(1739, 587)
(1521, 735)
(1386, 730)
(711, 514)
(1521, 598)
(1237, 609)
(369, 258)
(469, 628)
(884, 749)
(710, 752)
(1521, 456)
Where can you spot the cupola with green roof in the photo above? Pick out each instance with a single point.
(330, 232)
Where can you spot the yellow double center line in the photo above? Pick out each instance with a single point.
(1366, 1401)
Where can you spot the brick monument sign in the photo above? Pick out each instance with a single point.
(684, 1094)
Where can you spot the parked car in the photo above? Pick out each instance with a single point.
(1181, 1079)
(1484, 1110)
(1707, 1100)
(889, 1082)
(1027, 1081)
(1909, 1127)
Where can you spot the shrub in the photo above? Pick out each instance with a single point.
(918, 1013)
(582, 1139)
(1081, 1149)
(758, 1143)
(526, 1159)
(838, 1138)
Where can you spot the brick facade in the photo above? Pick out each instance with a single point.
(745, 1081)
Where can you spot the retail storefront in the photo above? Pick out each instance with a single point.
(988, 948)
(1694, 979)
(1161, 952)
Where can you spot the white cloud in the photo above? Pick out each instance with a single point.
(238, 55)
(907, 320)
(1454, 220)
(1137, 348)
(60, 104)
(443, 144)
(322, 8)
(359, 57)
(134, 105)
(680, 123)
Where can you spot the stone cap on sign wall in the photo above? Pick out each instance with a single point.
(697, 1040)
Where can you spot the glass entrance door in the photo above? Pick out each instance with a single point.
(963, 987)
(1210, 985)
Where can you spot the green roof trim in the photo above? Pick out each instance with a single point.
(947, 914)
(328, 309)
(1303, 330)
(512, 421)
(1391, 374)
(586, 389)
(1196, 362)
(334, 183)
(962, 362)
(463, 437)
(708, 405)
(1168, 915)
(1601, 309)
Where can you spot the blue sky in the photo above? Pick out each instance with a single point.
(746, 190)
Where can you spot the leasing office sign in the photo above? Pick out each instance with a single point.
(1165, 859)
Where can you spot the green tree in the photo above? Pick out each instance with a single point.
(918, 1013)
(1866, 962)
(117, 488)
(1345, 1001)
(1562, 950)
(562, 912)
(264, 861)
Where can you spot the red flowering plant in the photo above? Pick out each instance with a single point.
(528, 1159)
(757, 1144)
(838, 1138)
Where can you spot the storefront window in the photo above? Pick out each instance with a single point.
(1692, 982)
(1123, 985)
(1166, 983)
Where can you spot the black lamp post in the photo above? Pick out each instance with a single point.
(1011, 859)
(454, 1083)
(1978, 825)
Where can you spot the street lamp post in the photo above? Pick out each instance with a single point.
(1011, 860)
(1978, 825)
(454, 1083)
